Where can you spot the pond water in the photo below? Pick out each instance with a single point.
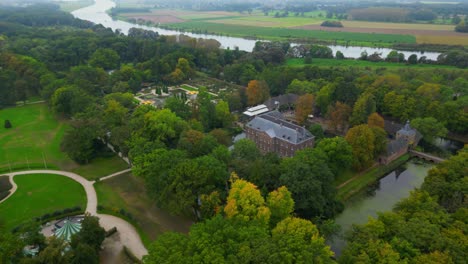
(379, 198)
(97, 13)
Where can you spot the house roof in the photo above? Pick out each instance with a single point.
(68, 229)
(273, 124)
(394, 146)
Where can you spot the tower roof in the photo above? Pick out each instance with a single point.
(67, 230)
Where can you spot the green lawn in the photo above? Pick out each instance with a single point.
(128, 192)
(100, 167)
(359, 63)
(275, 33)
(40, 194)
(188, 88)
(35, 136)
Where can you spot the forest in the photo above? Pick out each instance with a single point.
(88, 76)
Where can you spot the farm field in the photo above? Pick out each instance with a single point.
(35, 136)
(360, 63)
(40, 194)
(128, 192)
(257, 25)
(287, 33)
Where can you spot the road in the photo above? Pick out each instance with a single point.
(128, 235)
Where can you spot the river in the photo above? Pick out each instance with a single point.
(379, 198)
(96, 13)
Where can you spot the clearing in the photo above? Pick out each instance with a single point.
(38, 195)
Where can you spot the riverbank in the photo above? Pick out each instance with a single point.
(364, 179)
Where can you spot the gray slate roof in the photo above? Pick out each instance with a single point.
(275, 126)
(394, 146)
(282, 100)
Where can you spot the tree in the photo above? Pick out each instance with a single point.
(317, 131)
(339, 55)
(375, 120)
(447, 181)
(196, 143)
(223, 115)
(54, 252)
(245, 150)
(298, 240)
(281, 205)
(245, 202)
(338, 116)
(257, 92)
(79, 142)
(309, 179)
(207, 110)
(429, 127)
(7, 124)
(361, 138)
(364, 106)
(413, 59)
(163, 125)
(107, 59)
(178, 106)
(304, 107)
(84, 253)
(11, 247)
(339, 153)
(91, 234)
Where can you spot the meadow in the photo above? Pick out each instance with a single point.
(287, 33)
(40, 194)
(128, 192)
(35, 137)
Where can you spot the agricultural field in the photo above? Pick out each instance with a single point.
(361, 63)
(128, 192)
(40, 194)
(35, 136)
(287, 33)
(257, 25)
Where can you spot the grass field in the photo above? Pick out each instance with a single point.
(282, 33)
(359, 63)
(128, 192)
(367, 24)
(35, 136)
(40, 194)
(101, 167)
(453, 40)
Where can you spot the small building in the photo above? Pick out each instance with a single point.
(256, 110)
(271, 133)
(274, 103)
(410, 135)
(405, 138)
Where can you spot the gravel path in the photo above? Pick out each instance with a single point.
(128, 234)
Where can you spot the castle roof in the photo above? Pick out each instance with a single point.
(273, 124)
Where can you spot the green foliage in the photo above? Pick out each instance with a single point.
(362, 141)
(91, 234)
(107, 59)
(7, 124)
(429, 127)
(339, 153)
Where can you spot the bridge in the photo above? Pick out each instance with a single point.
(425, 156)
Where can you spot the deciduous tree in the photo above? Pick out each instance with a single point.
(257, 92)
(304, 107)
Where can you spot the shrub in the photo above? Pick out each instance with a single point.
(328, 23)
(8, 124)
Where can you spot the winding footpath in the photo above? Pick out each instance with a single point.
(128, 235)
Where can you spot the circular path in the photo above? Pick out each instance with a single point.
(128, 235)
